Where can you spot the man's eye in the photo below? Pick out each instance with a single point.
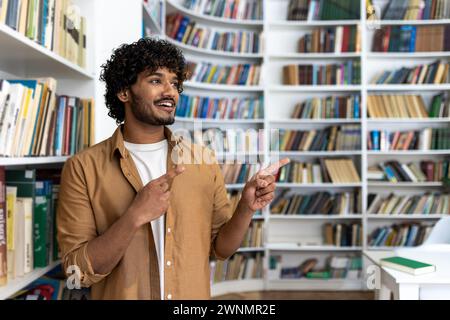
(175, 84)
(155, 81)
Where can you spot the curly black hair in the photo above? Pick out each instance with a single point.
(129, 60)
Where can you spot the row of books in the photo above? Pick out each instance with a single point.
(231, 140)
(238, 173)
(238, 74)
(335, 267)
(27, 215)
(407, 106)
(324, 203)
(411, 39)
(397, 204)
(234, 9)
(343, 234)
(189, 32)
(332, 74)
(334, 138)
(332, 39)
(254, 235)
(400, 235)
(425, 139)
(434, 73)
(332, 107)
(239, 267)
(416, 10)
(424, 171)
(220, 108)
(328, 170)
(56, 25)
(323, 10)
(34, 121)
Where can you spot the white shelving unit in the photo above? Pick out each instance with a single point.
(280, 38)
(21, 58)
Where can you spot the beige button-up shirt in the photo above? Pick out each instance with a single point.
(97, 187)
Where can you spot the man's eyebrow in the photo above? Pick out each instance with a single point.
(159, 74)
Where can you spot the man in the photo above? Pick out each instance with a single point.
(131, 223)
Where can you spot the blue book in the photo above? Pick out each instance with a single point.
(204, 108)
(375, 135)
(412, 43)
(60, 125)
(427, 10)
(356, 110)
(182, 29)
(44, 20)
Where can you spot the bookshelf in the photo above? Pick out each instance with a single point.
(22, 58)
(280, 50)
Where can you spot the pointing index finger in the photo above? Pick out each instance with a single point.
(274, 167)
(170, 175)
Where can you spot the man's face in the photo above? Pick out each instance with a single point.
(154, 97)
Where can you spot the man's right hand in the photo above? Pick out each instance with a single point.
(152, 201)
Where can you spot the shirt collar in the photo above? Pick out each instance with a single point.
(119, 146)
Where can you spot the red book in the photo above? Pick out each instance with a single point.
(345, 39)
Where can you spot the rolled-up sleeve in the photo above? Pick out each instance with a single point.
(222, 209)
(76, 223)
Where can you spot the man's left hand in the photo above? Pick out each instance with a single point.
(259, 191)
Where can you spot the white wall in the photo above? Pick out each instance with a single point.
(116, 22)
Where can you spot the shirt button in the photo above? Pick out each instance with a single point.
(169, 230)
(169, 263)
(169, 296)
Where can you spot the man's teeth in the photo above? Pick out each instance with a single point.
(166, 104)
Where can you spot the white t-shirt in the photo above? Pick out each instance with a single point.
(150, 160)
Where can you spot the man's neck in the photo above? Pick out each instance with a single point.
(142, 133)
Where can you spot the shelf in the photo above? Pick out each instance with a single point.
(318, 185)
(202, 17)
(20, 282)
(154, 24)
(234, 286)
(4, 161)
(382, 216)
(315, 153)
(379, 121)
(215, 52)
(314, 217)
(221, 121)
(315, 284)
(315, 23)
(315, 88)
(383, 248)
(413, 22)
(235, 185)
(314, 121)
(22, 56)
(408, 153)
(251, 249)
(404, 184)
(294, 247)
(408, 87)
(407, 55)
(221, 87)
(324, 55)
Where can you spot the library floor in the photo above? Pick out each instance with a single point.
(299, 295)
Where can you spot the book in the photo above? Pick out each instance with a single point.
(407, 265)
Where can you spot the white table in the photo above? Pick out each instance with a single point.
(404, 286)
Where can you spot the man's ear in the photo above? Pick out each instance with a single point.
(123, 95)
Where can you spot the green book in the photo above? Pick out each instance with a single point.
(318, 275)
(407, 265)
